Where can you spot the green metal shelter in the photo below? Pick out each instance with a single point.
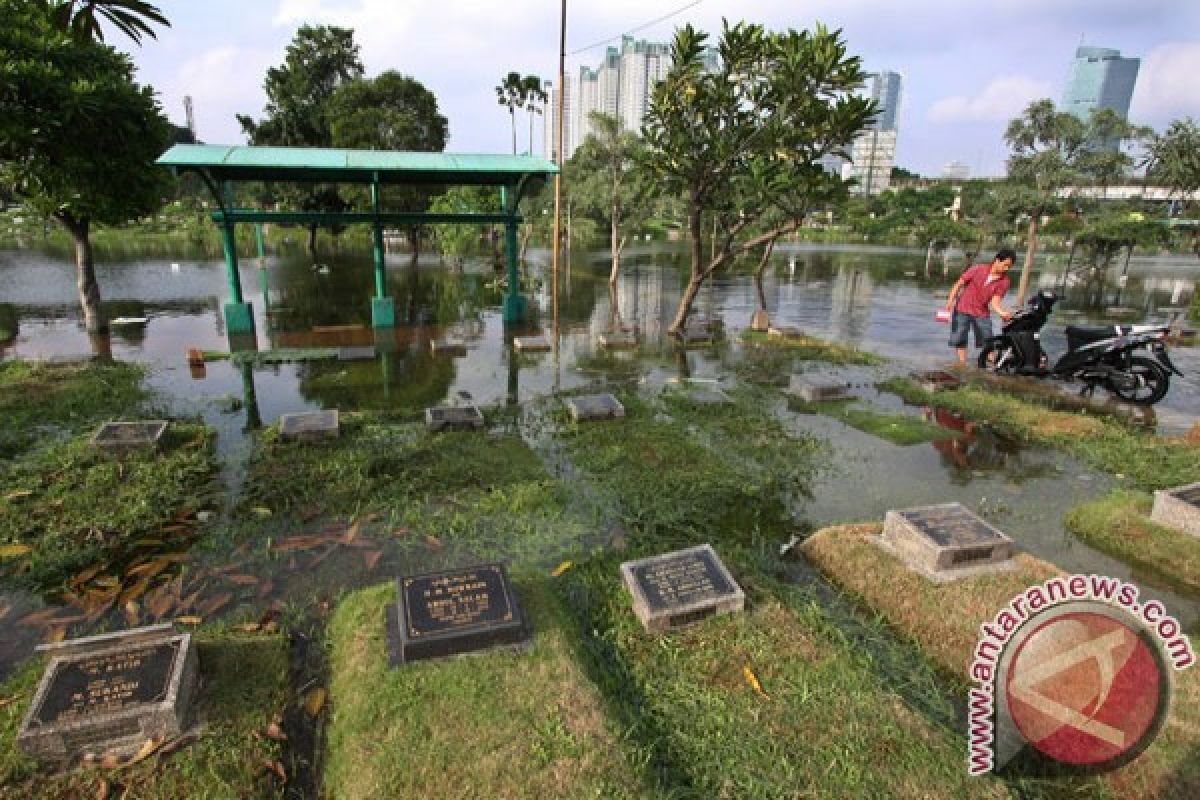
(220, 166)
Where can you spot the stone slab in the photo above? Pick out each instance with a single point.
(589, 407)
(448, 348)
(110, 693)
(704, 396)
(785, 332)
(814, 389)
(697, 337)
(441, 418)
(531, 344)
(356, 353)
(946, 542)
(454, 612)
(1178, 508)
(309, 425)
(125, 437)
(619, 340)
(936, 380)
(679, 588)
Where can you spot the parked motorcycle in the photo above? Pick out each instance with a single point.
(1130, 361)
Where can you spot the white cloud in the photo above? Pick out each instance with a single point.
(1166, 87)
(1002, 99)
(222, 82)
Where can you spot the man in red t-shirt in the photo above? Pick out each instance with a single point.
(974, 296)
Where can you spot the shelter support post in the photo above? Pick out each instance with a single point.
(383, 308)
(239, 316)
(515, 305)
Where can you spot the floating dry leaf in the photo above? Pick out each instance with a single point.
(752, 679)
(314, 701)
(248, 627)
(400, 532)
(88, 574)
(103, 789)
(561, 568)
(8, 551)
(132, 613)
(353, 531)
(56, 634)
(147, 749)
(214, 604)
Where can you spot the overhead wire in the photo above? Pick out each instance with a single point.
(641, 27)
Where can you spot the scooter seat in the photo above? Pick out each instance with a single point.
(1079, 335)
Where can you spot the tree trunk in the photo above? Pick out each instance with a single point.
(312, 240)
(526, 235)
(758, 275)
(616, 245)
(530, 133)
(512, 116)
(1030, 252)
(697, 278)
(414, 235)
(85, 275)
(928, 258)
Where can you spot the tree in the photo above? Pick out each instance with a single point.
(608, 188)
(78, 138)
(318, 61)
(744, 139)
(1173, 160)
(535, 99)
(511, 92)
(390, 112)
(79, 17)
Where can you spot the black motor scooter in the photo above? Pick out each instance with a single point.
(1100, 356)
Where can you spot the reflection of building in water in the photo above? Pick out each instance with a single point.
(647, 297)
(850, 306)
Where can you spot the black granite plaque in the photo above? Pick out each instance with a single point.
(446, 613)
(682, 581)
(945, 528)
(1190, 496)
(108, 683)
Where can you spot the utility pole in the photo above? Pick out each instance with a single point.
(556, 247)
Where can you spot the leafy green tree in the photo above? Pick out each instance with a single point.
(745, 139)
(606, 186)
(319, 60)
(81, 17)
(457, 241)
(938, 233)
(1102, 160)
(390, 112)
(1173, 161)
(78, 137)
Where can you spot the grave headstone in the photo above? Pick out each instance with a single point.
(452, 612)
(110, 693)
(590, 407)
(945, 542)
(309, 425)
(356, 353)
(816, 389)
(936, 380)
(448, 348)
(531, 344)
(1178, 508)
(443, 418)
(618, 340)
(124, 437)
(676, 589)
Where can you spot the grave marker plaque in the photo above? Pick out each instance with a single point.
(309, 425)
(454, 418)
(785, 332)
(813, 389)
(589, 407)
(531, 344)
(450, 348)
(945, 542)
(936, 380)
(110, 693)
(119, 438)
(676, 589)
(1178, 508)
(618, 340)
(457, 611)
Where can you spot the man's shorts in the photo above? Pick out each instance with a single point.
(962, 324)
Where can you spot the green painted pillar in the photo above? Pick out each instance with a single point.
(383, 308)
(239, 316)
(515, 305)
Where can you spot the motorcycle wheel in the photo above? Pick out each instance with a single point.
(1154, 382)
(999, 357)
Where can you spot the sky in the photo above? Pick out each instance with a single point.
(969, 66)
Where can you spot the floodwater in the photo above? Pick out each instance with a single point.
(880, 299)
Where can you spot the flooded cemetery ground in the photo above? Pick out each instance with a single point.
(281, 555)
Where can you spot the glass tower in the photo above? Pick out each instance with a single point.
(1100, 78)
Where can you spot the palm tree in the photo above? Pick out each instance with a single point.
(512, 93)
(131, 17)
(535, 99)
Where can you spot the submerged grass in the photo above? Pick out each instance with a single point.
(812, 348)
(1149, 461)
(1119, 523)
(496, 724)
(38, 401)
(243, 684)
(899, 429)
(69, 503)
(918, 610)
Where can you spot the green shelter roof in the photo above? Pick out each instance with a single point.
(245, 163)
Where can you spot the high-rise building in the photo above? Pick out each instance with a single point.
(956, 171)
(873, 153)
(557, 101)
(1099, 78)
(620, 86)
(884, 88)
